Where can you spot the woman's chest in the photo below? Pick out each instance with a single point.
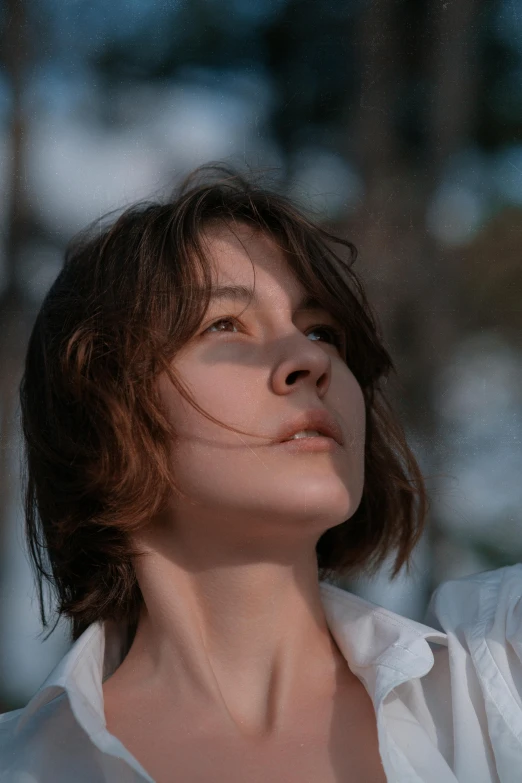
(216, 761)
(340, 746)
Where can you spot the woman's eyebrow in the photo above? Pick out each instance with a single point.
(247, 294)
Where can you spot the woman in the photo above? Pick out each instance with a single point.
(194, 544)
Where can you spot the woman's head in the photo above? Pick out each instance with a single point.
(137, 398)
(252, 364)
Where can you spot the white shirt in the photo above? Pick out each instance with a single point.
(447, 698)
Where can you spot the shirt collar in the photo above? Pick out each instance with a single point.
(381, 647)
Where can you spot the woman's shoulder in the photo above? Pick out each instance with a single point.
(43, 742)
(482, 617)
(28, 731)
(479, 604)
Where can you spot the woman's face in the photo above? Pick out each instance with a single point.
(245, 492)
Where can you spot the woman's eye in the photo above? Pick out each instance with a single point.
(221, 321)
(336, 335)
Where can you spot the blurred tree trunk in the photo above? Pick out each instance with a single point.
(453, 71)
(377, 147)
(409, 277)
(13, 306)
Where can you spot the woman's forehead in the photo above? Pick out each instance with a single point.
(231, 252)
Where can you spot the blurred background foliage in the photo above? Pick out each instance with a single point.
(397, 123)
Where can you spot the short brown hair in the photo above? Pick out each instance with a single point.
(96, 437)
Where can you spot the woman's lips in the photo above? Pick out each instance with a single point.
(309, 444)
